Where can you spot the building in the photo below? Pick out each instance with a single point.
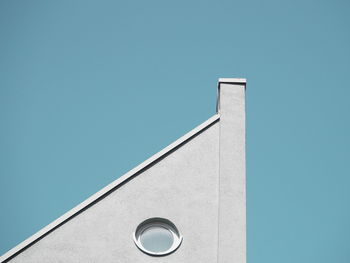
(184, 204)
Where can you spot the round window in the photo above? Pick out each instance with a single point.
(157, 237)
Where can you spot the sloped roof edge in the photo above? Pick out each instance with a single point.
(106, 190)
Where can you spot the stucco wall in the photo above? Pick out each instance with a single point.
(182, 187)
(232, 199)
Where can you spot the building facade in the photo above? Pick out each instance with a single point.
(184, 204)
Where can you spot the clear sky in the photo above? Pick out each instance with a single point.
(89, 89)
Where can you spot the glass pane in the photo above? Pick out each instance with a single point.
(156, 239)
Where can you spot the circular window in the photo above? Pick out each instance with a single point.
(157, 237)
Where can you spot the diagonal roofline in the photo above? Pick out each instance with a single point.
(107, 190)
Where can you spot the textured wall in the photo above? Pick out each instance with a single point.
(182, 187)
(199, 186)
(232, 212)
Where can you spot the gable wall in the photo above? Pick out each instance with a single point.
(182, 187)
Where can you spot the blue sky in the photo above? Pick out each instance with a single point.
(89, 89)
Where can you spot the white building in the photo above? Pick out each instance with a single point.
(184, 204)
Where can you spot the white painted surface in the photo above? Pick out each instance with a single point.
(198, 183)
(182, 187)
(233, 80)
(232, 200)
(107, 189)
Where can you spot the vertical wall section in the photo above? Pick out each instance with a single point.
(232, 197)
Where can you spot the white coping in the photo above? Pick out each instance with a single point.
(232, 80)
(68, 215)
